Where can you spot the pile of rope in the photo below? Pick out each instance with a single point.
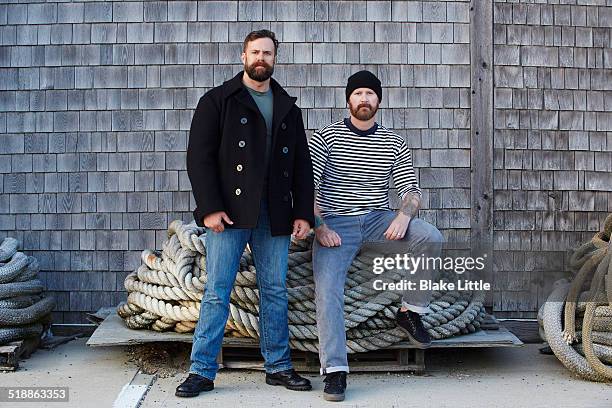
(583, 340)
(24, 312)
(164, 294)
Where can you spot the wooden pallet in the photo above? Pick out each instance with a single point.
(238, 353)
(11, 353)
(244, 353)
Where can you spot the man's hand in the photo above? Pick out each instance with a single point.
(214, 221)
(398, 227)
(327, 237)
(300, 229)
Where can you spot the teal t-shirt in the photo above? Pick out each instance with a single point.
(265, 101)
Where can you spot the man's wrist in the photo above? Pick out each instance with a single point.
(319, 221)
(402, 214)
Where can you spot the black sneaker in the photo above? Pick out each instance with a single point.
(410, 322)
(193, 386)
(335, 385)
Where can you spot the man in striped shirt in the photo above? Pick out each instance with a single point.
(353, 162)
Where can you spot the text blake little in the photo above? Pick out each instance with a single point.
(424, 284)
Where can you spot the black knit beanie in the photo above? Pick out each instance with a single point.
(364, 79)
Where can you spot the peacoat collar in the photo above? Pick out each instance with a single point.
(281, 106)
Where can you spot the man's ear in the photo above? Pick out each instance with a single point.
(243, 57)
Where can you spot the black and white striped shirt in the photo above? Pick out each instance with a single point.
(352, 168)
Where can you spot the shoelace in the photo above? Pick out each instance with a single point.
(194, 379)
(334, 380)
(410, 321)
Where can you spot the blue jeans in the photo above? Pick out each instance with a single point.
(223, 252)
(330, 265)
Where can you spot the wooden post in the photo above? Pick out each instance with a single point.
(403, 357)
(481, 132)
(220, 358)
(419, 358)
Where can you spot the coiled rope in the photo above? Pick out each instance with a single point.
(23, 311)
(164, 294)
(582, 341)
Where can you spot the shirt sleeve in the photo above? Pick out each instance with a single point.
(404, 176)
(319, 153)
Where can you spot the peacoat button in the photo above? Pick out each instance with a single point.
(285, 150)
(238, 191)
(239, 167)
(241, 143)
(243, 120)
(284, 126)
(286, 198)
(286, 173)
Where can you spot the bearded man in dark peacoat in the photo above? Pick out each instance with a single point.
(249, 165)
(225, 158)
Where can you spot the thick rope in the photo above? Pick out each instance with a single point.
(584, 342)
(23, 311)
(8, 248)
(9, 334)
(165, 291)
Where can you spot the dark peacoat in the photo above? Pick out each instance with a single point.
(225, 159)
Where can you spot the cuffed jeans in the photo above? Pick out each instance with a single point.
(223, 252)
(330, 265)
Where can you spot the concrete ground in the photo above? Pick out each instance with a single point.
(501, 377)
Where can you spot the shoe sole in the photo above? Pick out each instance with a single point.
(333, 397)
(414, 341)
(184, 394)
(289, 387)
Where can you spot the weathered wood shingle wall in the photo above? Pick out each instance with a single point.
(553, 139)
(96, 101)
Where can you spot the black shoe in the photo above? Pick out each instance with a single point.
(335, 385)
(412, 325)
(290, 380)
(193, 386)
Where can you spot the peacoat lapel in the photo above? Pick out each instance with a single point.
(281, 106)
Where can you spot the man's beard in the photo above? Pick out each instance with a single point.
(363, 114)
(259, 75)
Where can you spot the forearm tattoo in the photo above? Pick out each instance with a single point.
(410, 204)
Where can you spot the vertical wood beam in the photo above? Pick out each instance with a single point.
(481, 132)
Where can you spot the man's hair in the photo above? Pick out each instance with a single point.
(255, 35)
